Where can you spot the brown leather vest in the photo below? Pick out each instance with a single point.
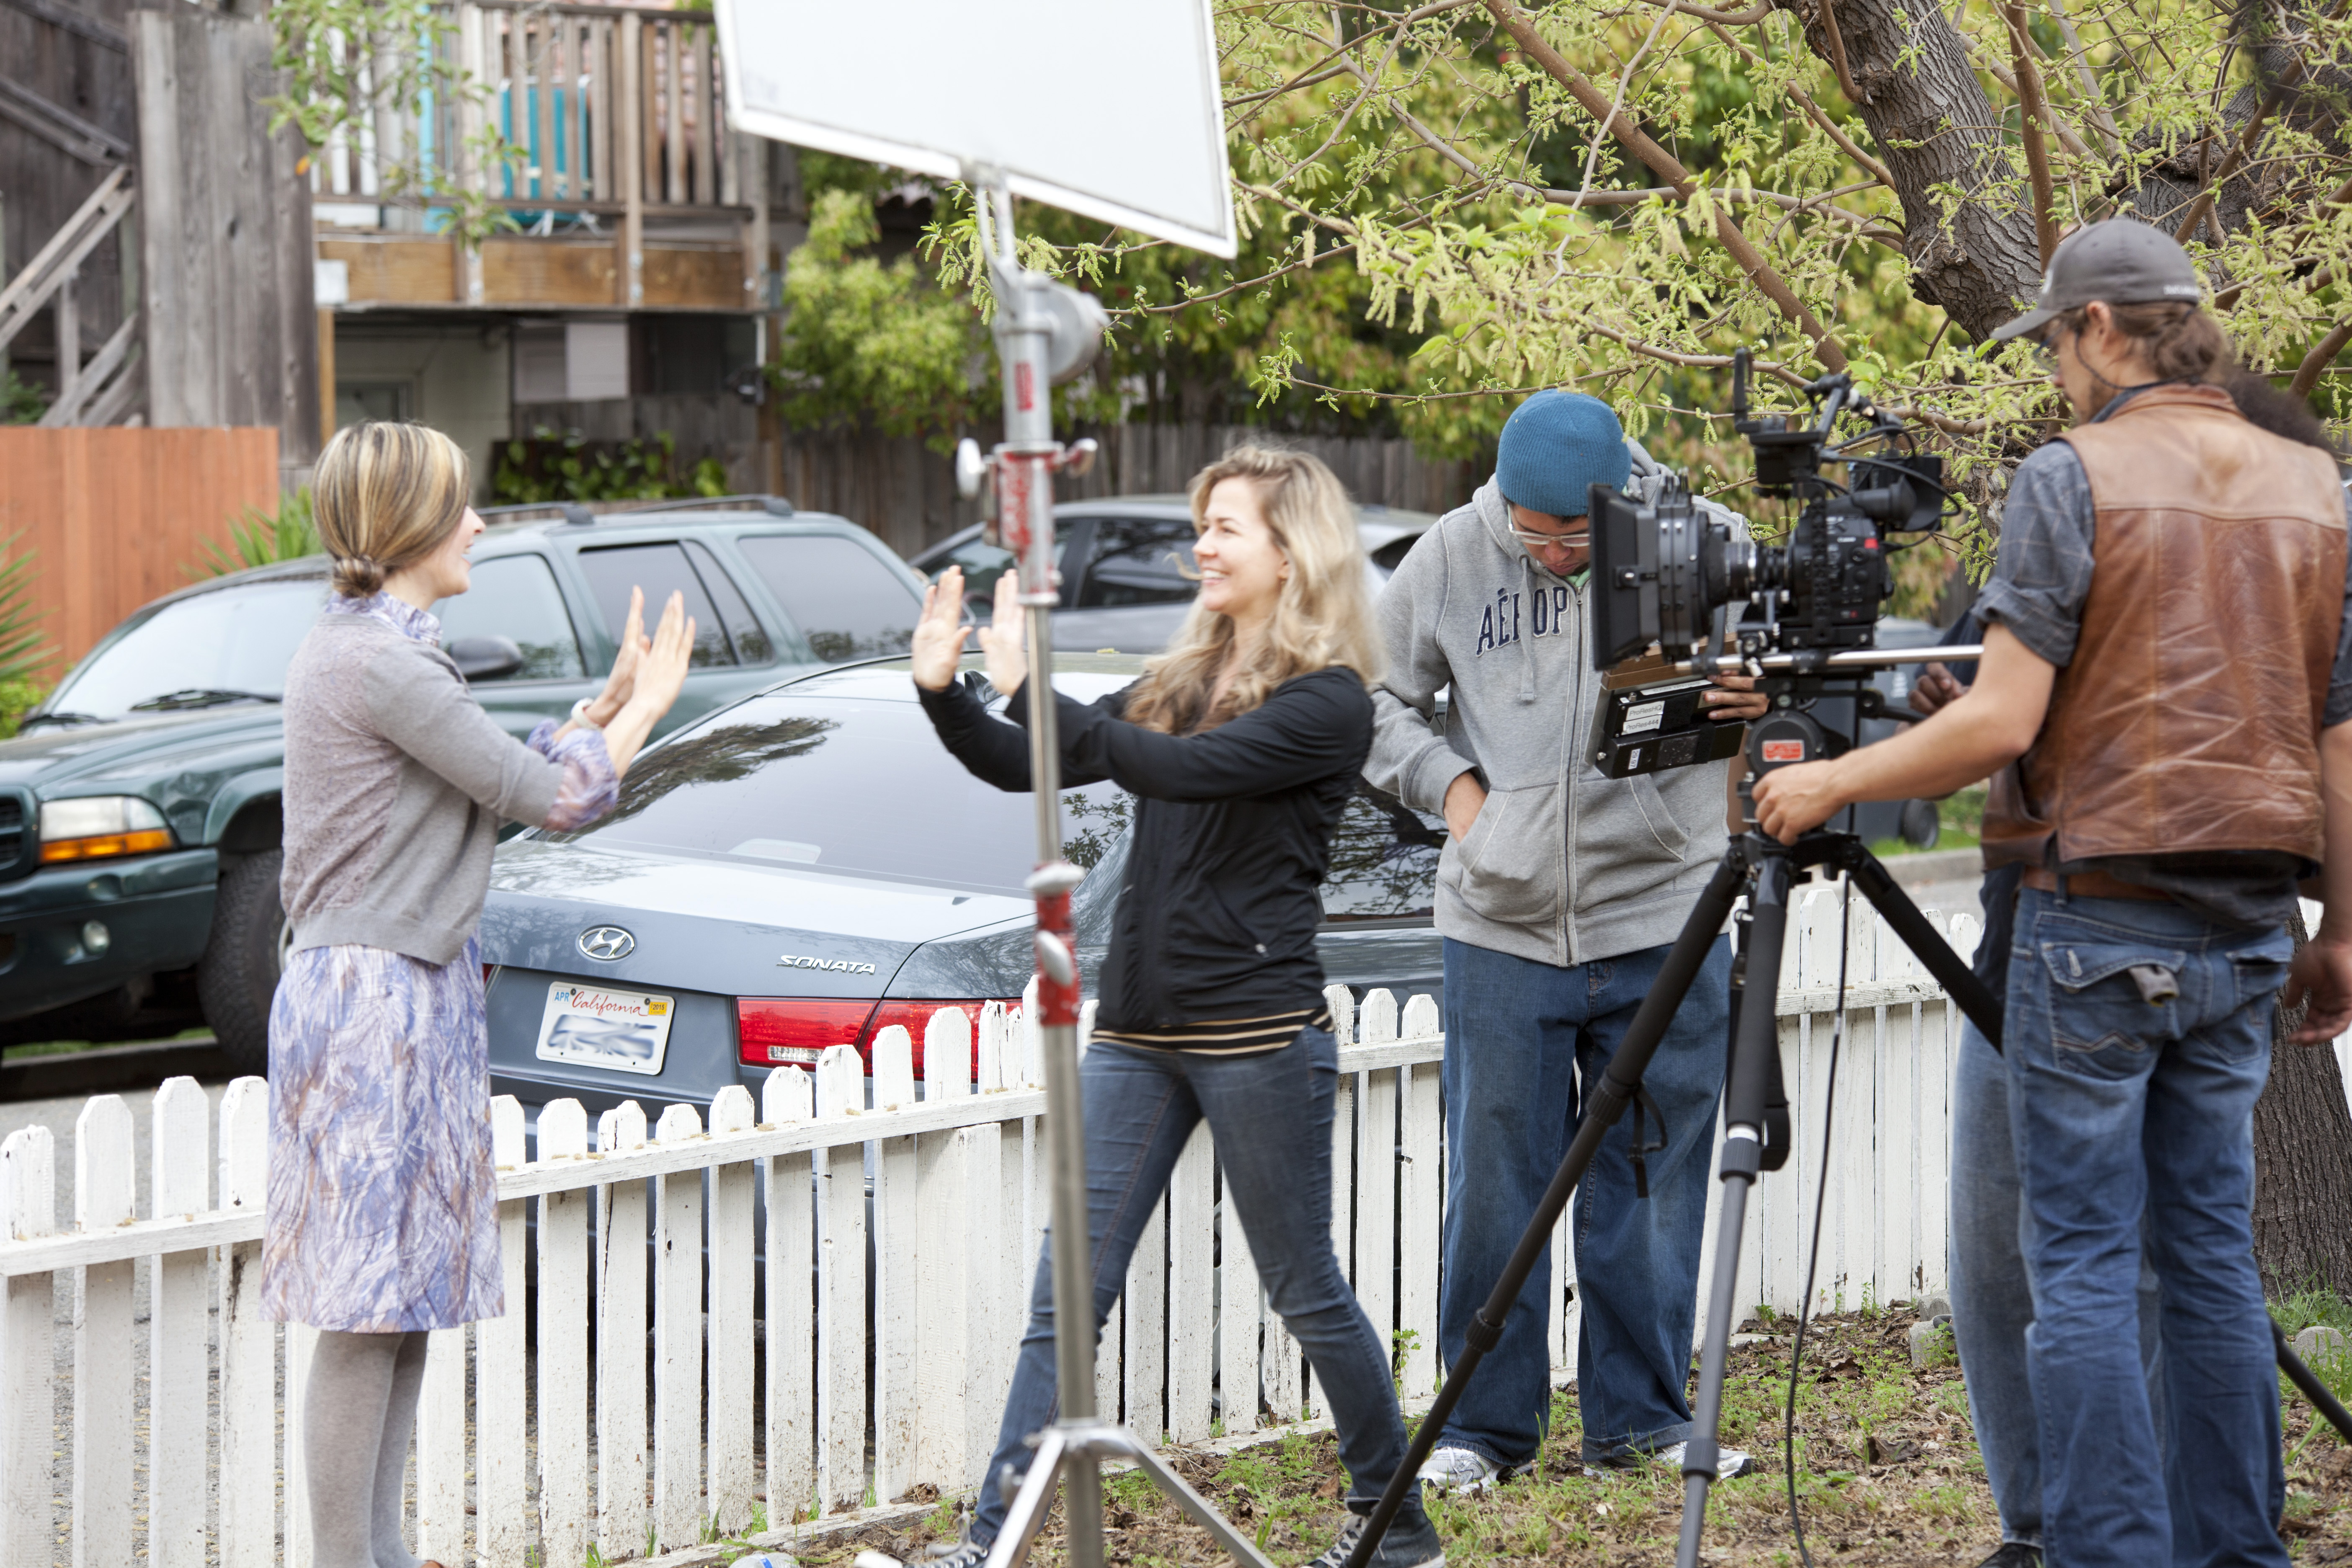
(2188, 717)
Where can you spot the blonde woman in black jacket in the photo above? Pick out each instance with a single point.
(1241, 744)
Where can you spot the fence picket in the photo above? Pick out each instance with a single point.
(1144, 1368)
(105, 1196)
(1376, 1167)
(178, 1365)
(1421, 1215)
(841, 1288)
(28, 1201)
(502, 1525)
(1240, 1306)
(1343, 1167)
(897, 1287)
(248, 1342)
(563, 1307)
(621, 1344)
(441, 1448)
(1191, 1277)
(677, 1342)
(730, 1339)
(989, 1371)
(790, 1095)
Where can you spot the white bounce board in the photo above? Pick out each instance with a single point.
(1105, 108)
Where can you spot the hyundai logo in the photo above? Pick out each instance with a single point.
(605, 944)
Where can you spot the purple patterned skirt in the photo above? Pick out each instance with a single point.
(382, 1200)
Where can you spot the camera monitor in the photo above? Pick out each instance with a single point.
(1048, 90)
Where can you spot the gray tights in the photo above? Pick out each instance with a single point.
(357, 1414)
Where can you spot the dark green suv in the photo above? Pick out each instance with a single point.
(138, 807)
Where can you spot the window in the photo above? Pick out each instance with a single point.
(209, 647)
(847, 602)
(751, 639)
(841, 786)
(983, 563)
(516, 596)
(660, 570)
(1383, 859)
(1136, 560)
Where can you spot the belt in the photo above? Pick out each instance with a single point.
(2091, 885)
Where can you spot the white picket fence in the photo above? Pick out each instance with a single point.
(625, 1412)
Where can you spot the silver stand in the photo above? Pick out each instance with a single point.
(1045, 330)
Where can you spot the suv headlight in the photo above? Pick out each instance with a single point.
(100, 828)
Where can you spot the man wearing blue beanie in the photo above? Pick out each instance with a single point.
(1559, 892)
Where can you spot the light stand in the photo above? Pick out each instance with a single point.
(1045, 332)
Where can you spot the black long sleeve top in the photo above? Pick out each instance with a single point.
(1218, 913)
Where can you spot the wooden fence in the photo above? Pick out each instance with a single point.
(641, 1398)
(116, 516)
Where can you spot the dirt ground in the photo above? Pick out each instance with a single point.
(1888, 1475)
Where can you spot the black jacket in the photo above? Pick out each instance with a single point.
(1232, 829)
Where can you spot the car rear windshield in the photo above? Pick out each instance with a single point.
(845, 785)
(211, 645)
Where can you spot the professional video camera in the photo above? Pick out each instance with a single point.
(1666, 576)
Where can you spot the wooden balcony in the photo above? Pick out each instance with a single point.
(631, 192)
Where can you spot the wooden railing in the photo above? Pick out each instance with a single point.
(542, 1452)
(615, 115)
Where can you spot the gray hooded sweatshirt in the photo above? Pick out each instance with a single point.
(1562, 866)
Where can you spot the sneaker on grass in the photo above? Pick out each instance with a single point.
(962, 1554)
(1413, 1545)
(2014, 1555)
(1729, 1462)
(1466, 1470)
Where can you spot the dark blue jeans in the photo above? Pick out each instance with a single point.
(1517, 1033)
(2121, 1106)
(1271, 1116)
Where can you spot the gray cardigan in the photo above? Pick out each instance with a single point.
(397, 783)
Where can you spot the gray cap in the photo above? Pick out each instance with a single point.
(2118, 259)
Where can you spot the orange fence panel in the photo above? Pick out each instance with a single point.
(116, 516)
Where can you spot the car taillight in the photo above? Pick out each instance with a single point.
(789, 1031)
(785, 1031)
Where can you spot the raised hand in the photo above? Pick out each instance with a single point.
(623, 680)
(1006, 642)
(939, 632)
(661, 667)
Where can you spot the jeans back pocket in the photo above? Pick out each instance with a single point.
(2096, 1003)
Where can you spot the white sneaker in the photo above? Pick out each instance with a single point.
(1466, 1470)
(1729, 1462)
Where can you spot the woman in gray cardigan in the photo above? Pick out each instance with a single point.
(382, 1203)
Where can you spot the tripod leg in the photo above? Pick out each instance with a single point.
(1753, 1050)
(2302, 1377)
(1608, 1101)
(1955, 977)
(1027, 1514)
(1241, 1547)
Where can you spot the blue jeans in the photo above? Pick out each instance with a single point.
(1516, 1035)
(2121, 1106)
(1992, 1301)
(1271, 1116)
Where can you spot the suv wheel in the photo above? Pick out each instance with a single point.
(238, 977)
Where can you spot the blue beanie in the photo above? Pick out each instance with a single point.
(1556, 446)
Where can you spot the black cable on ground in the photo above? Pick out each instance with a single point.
(1813, 1255)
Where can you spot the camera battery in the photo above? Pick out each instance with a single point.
(1653, 728)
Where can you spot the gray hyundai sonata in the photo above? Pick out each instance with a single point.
(808, 866)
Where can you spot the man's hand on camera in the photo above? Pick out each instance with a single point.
(1737, 703)
(1935, 687)
(2321, 974)
(940, 631)
(1788, 800)
(1464, 797)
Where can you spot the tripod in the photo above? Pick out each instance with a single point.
(1045, 332)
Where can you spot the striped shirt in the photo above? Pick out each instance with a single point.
(1221, 1036)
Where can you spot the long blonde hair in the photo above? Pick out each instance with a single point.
(1323, 616)
(386, 496)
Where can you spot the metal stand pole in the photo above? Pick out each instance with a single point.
(1074, 1448)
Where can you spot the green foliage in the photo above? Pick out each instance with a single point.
(24, 651)
(548, 467)
(256, 538)
(21, 402)
(871, 341)
(344, 60)
(18, 697)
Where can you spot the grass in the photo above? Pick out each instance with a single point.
(1960, 819)
(1888, 1475)
(67, 1047)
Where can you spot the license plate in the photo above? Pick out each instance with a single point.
(592, 1025)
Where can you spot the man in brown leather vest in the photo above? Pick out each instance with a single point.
(2164, 690)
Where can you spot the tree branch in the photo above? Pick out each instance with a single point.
(2323, 355)
(2033, 110)
(1837, 52)
(1668, 168)
(1814, 113)
(1747, 18)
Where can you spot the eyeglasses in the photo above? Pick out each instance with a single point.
(2045, 347)
(1574, 541)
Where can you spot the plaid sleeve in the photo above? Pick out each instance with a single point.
(2041, 573)
(590, 786)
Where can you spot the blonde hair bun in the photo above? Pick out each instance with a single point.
(386, 496)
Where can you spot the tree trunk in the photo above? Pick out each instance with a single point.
(1936, 127)
(2302, 1166)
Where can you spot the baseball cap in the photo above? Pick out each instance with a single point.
(2118, 259)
